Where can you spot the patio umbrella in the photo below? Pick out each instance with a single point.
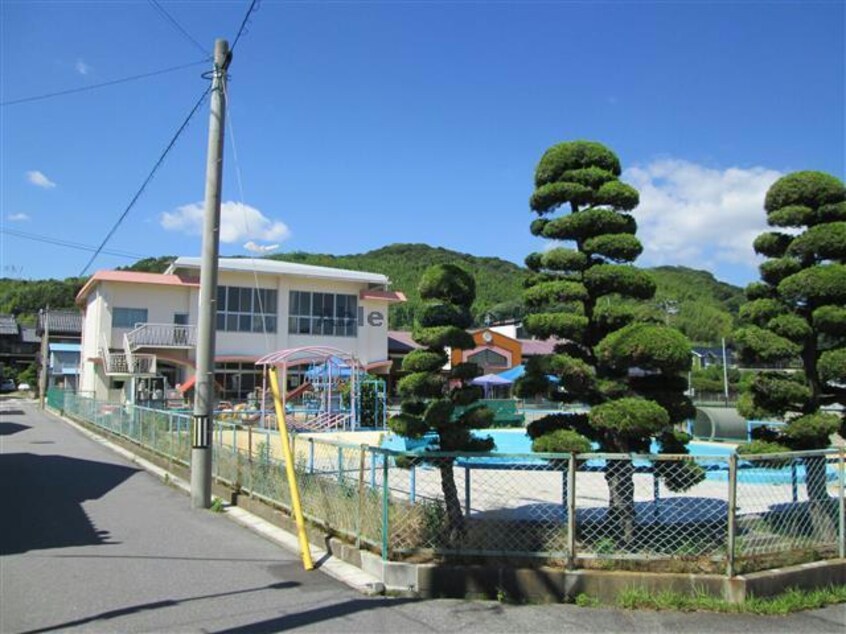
(490, 380)
(517, 371)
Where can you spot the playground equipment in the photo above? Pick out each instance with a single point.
(719, 423)
(336, 393)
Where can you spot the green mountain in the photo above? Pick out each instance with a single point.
(499, 284)
(697, 303)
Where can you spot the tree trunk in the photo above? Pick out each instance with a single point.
(819, 502)
(455, 516)
(619, 475)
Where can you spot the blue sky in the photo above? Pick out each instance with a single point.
(360, 124)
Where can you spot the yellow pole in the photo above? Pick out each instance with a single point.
(289, 470)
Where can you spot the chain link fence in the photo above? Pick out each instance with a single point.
(683, 513)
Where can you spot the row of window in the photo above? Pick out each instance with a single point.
(322, 314)
(255, 310)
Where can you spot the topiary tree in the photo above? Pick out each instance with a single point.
(574, 296)
(798, 311)
(433, 402)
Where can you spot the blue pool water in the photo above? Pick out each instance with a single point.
(515, 441)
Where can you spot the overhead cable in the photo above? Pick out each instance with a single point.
(169, 18)
(242, 29)
(148, 179)
(113, 82)
(68, 244)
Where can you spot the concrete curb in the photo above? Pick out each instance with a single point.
(344, 572)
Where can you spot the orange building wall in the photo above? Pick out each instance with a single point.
(498, 343)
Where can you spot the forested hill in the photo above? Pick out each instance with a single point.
(499, 284)
(700, 305)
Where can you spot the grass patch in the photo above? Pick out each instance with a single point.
(793, 600)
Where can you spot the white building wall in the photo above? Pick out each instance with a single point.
(160, 301)
(163, 301)
(90, 380)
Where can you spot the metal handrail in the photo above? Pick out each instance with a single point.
(162, 336)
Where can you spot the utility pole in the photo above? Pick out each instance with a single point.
(45, 356)
(201, 437)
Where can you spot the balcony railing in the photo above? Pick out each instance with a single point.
(162, 336)
(117, 363)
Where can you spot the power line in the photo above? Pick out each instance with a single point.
(100, 85)
(148, 179)
(241, 30)
(68, 244)
(167, 16)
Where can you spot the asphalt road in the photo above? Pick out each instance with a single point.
(89, 542)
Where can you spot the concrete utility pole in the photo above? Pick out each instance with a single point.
(201, 450)
(45, 357)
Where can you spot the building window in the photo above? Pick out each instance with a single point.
(128, 317)
(488, 358)
(246, 309)
(326, 314)
(237, 381)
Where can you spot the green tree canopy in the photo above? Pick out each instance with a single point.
(797, 311)
(445, 406)
(627, 369)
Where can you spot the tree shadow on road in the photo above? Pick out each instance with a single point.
(157, 605)
(7, 429)
(316, 615)
(43, 498)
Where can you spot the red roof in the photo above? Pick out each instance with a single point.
(533, 347)
(134, 277)
(402, 341)
(388, 296)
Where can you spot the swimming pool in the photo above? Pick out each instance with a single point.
(515, 441)
(514, 449)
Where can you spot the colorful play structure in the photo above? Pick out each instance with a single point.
(336, 392)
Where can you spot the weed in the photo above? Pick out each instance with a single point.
(586, 601)
(216, 506)
(792, 600)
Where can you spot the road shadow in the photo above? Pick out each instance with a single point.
(42, 496)
(157, 605)
(7, 429)
(316, 615)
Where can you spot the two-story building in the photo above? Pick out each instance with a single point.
(139, 336)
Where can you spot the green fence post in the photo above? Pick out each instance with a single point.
(385, 514)
(841, 484)
(732, 520)
(360, 515)
(467, 486)
(571, 511)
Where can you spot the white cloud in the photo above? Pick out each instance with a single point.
(81, 67)
(260, 248)
(39, 179)
(17, 217)
(698, 216)
(237, 222)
